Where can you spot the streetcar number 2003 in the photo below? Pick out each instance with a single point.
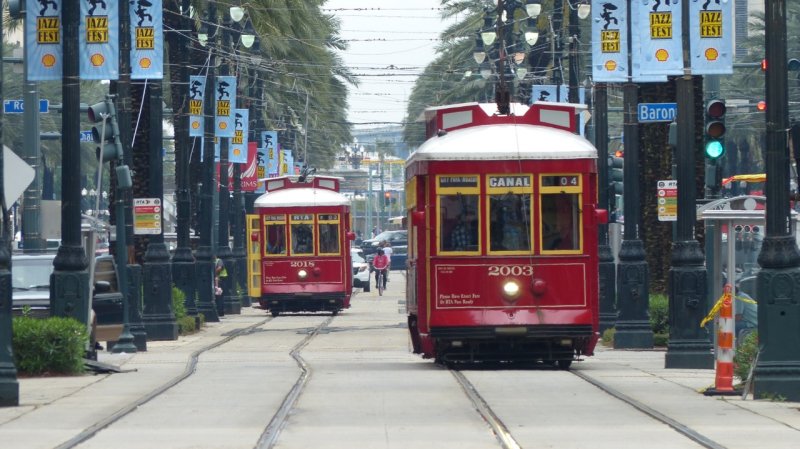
(505, 270)
(302, 264)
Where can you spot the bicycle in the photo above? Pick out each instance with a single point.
(379, 281)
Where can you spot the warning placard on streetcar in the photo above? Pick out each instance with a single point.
(147, 214)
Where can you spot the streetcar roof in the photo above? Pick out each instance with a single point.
(302, 198)
(504, 141)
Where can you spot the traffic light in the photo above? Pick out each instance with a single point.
(715, 129)
(615, 183)
(387, 198)
(761, 106)
(107, 136)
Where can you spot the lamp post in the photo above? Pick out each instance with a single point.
(205, 251)
(9, 385)
(504, 47)
(183, 262)
(633, 325)
(777, 369)
(689, 346)
(608, 286)
(231, 304)
(239, 253)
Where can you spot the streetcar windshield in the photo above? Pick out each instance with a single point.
(509, 222)
(560, 222)
(275, 231)
(302, 234)
(458, 223)
(328, 233)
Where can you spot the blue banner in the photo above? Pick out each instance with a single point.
(197, 92)
(286, 163)
(548, 92)
(43, 40)
(609, 41)
(270, 142)
(237, 153)
(98, 40)
(225, 103)
(660, 36)
(636, 46)
(147, 40)
(711, 37)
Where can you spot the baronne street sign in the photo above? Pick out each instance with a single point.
(18, 106)
(657, 112)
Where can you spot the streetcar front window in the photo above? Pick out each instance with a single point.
(458, 223)
(302, 234)
(509, 222)
(560, 222)
(328, 233)
(276, 238)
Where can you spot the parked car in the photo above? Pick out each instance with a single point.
(30, 281)
(397, 239)
(361, 270)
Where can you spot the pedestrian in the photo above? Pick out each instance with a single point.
(219, 273)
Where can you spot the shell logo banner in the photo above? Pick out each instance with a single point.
(147, 39)
(197, 92)
(660, 37)
(43, 40)
(98, 40)
(609, 41)
(237, 153)
(225, 103)
(711, 36)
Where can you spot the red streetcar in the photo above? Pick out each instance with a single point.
(502, 260)
(304, 240)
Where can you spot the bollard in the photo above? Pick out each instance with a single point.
(723, 379)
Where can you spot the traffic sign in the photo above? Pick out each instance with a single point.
(667, 193)
(17, 176)
(18, 106)
(657, 112)
(147, 216)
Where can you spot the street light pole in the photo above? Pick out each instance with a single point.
(633, 325)
(9, 385)
(69, 291)
(205, 251)
(777, 371)
(689, 346)
(608, 287)
(183, 260)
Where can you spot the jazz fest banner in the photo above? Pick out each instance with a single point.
(636, 45)
(237, 152)
(98, 40)
(269, 144)
(711, 36)
(225, 103)
(609, 41)
(250, 170)
(43, 40)
(147, 39)
(197, 91)
(548, 92)
(286, 163)
(661, 38)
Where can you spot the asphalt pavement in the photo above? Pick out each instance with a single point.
(53, 410)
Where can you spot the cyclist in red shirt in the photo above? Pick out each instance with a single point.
(381, 264)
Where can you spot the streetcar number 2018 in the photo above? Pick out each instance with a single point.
(302, 263)
(505, 270)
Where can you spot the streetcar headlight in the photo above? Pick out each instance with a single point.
(511, 289)
(302, 274)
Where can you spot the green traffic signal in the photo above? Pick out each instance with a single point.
(714, 149)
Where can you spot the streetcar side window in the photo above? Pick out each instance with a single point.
(275, 235)
(560, 214)
(328, 227)
(458, 223)
(302, 234)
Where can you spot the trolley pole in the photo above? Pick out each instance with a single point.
(777, 370)
(689, 346)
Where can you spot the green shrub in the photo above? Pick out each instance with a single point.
(660, 340)
(745, 355)
(49, 346)
(186, 325)
(659, 313)
(178, 306)
(608, 337)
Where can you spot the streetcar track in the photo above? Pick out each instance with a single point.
(655, 414)
(191, 367)
(270, 435)
(499, 429)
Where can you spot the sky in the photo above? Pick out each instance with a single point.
(391, 42)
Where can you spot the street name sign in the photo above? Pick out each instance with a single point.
(657, 112)
(18, 106)
(86, 136)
